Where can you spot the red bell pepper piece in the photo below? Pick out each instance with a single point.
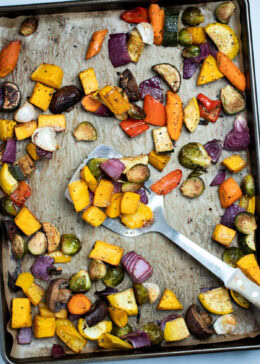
(136, 15)
(20, 195)
(133, 127)
(211, 116)
(155, 111)
(209, 104)
(167, 183)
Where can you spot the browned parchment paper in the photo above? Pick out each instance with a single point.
(63, 39)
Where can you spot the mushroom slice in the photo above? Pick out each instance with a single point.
(199, 322)
(56, 295)
(53, 236)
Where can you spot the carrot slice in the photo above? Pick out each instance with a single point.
(174, 115)
(9, 57)
(155, 111)
(167, 183)
(96, 43)
(231, 71)
(79, 304)
(229, 192)
(156, 16)
(90, 104)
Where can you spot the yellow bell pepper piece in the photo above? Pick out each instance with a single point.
(7, 182)
(24, 280)
(59, 257)
(44, 327)
(112, 97)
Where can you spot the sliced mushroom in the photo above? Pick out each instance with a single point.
(56, 295)
(199, 322)
(129, 85)
(53, 236)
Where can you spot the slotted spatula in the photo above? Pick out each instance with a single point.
(233, 278)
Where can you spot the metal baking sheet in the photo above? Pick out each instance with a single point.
(62, 39)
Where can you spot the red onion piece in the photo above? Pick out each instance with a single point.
(139, 339)
(152, 87)
(113, 168)
(106, 292)
(137, 267)
(142, 192)
(43, 154)
(9, 154)
(189, 68)
(171, 317)
(117, 187)
(57, 351)
(204, 52)
(230, 214)
(238, 138)
(219, 178)
(104, 111)
(117, 49)
(214, 149)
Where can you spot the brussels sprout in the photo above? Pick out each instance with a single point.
(192, 16)
(245, 223)
(131, 187)
(154, 332)
(191, 51)
(196, 172)
(121, 331)
(232, 100)
(7, 207)
(141, 293)
(185, 37)
(94, 164)
(19, 246)
(246, 243)
(193, 187)
(70, 244)
(114, 276)
(80, 282)
(97, 270)
(249, 185)
(138, 173)
(29, 26)
(224, 11)
(194, 155)
(232, 255)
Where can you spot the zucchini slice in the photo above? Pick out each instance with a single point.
(231, 256)
(169, 74)
(38, 244)
(85, 131)
(216, 301)
(138, 173)
(131, 187)
(16, 172)
(246, 243)
(193, 187)
(232, 100)
(162, 140)
(170, 32)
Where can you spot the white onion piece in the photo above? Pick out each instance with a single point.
(25, 113)
(45, 138)
(153, 291)
(225, 324)
(146, 32)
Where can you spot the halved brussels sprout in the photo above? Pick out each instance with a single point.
(249, 185)
(141, 293)
(191, 51)
(245, 223)
(19, 246)
(94, 164)
(70, 244)
(194, 155)
(80, 282)
(185, 37)
(193, 187)
(232, 255)
(121, 331)
(97, 270)
(224, 11)
(192, 16)
(7, 207)
(154, 332)
(114, 276)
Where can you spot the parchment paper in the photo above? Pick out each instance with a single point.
(63, 40)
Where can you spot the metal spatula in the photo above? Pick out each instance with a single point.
(233, 278)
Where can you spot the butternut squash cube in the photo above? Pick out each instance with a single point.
(176, 330)
(114, 209)
(56, 122)
(31, 150)
(169, 301)
(35, 294)
(234, 163)
(130, 203)
(209, 71)
(158, 161)
(45, 311)
(106, 252)
(26, 221)
(48, 74)
(125, 300)
(103, 193)
(24, 280)
(89, 81)
(41, 96)
(6, 129)
(198, 35)
(25, 130)
(118, 316)
(62, 314)
(94, 216)
(79, 194)
(140, 218)
(21, 313)
(44, 326)
(88, 177)
(223, 235)
(249, 266)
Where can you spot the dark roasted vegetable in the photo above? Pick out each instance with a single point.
(214, 149)
(113, 168)
(12, 278)
(194, 155)
(136, 112)
(138, 173)
(12, 96)
(41, 266)
(169, 74)
(224, 11)
(192, 16)
(232, 100)
(245, 223)
(141, 293)
(29, 26)
(199, 322)
(219, 178)
(64, 99)
(97, 270)
(9, 229)
(191, 51)
(230, 214)
(70, 244)
(97, 313)
(154, 333)
(80, 282)
(139, 339)
(238, 138)
(137, 267)
(189, 68)
(151, 87)
(232, 255)
(142, 192)
(94, 166)
(193, 187)
(121, 331)
(19, 246)
(114, 276)
(205, 50)
(7, 207)
(247, 243)
(17, 173)
(170, 31)
(117, 49)
(24, 336)
(185, 37)
(85, 131)
(43, 154)
(128, 83)
(57, 351)
(106, 292)
(9, 153)
(248, 185)
(56, 295)
(38, 244)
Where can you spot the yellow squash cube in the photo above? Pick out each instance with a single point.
(234, 163)
(114, 209)
(249, 266)
(209, 71)
(41, 96)
(169, 301)
(89, 81)
(44, 326)
(45, 311)
(25, 130)
(176, 330)
(94, 216)
(56, 122)
(24, 280)
(79, 194)
(125, 300)
(21, 313)
(223, 235)
(130, 203)
(26, 221)
(106, 252)
(31, 150)
(62, 314)
(35, 294)
(6, 129)
(118, 316)
(48, 74)
(103, 193)
(88, 177)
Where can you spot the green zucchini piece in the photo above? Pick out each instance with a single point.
(169, 74)
(248, 185)
(17, 173)
(192, 16)
(85, 131)
(114, 276)
(245, 223)
(7, 207)
(232, 100)
(94, 164)
(231, 256)
(193, 187)
(191, 51)
(170, 32)
(138, 173)
(70, 244)
(131, 187)
(246, 243)
(19, 246)
(185, 37)
(38, 244)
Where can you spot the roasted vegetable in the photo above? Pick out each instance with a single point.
(192, 16)
(223, 235)
(232, 255)
(194, 155)
(97, 270)
(153, 291)
(231, 71)
(156, 17)
(233, 102)
(224, 11)
(154, 333)
(9, 56)
(94, 216)
(53, 236)
(7, 182)
(96, 43)
(124, 300)
(108, 341)
(9, 152)
(139, 173)
(136, 112)
(239, 137)
(129, 162)
(113, 168)
(176, 330)
(115, 99)
(103, 193)
(29, 26)
(38, 244)
(26, 221)
(24, 336)
(118, 316)
(247, 243)
(20, 195)
(94, 332)
(229, 192)
(89, 81)
(79, 304)
(135, 45)
(41, 96)
(234, 163)
(130, 187)
(245, 223)
(97, 313)
(49, 74)
(19, 246)
(122, 331)
(44, 326)
(117, 49)
(151, 87)
(170, 30)
(162, 140)
(199, 322)
(169, 74)
(239, 299)
(16, 172)
(7, 207)
(21, 313)
(128, 83)
(6, 129)
(57, 122)
(114, 209)
(174, 115)
(248, 185)
(230, 214)
(192, 115)
(65, 98)
(11, 96)
(139, 270)
(71, 337)
(70, 244)
(225, 324)
(249, 266)
(143, 216)
(26, 165)
(209, 71)
(158, 161)
(216, 301)
(146, 32)
(25, 113)
(135, 16)
(43, 267)
(56, 295)
(59, 257)
(169, 301)
(191, 51)
(57, 351)
(167, 183)
(9, 229)
(185, 37)
(193, 187)
(134, 127)
(114, 276)
(248, 203)
(80, 282)
(106, 252)
(141, 293)
(155, 111)
(45, 138)
(93, 166)
(85, 131)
